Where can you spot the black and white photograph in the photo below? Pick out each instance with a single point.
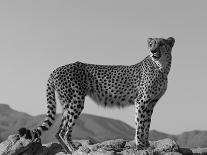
(103, 77)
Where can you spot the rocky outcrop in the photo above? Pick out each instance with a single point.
(15, 145)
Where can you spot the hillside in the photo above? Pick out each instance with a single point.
(91, 127)
(94, 128)
(10, 120)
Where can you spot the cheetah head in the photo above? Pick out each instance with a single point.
(160, 52)
(160, 48)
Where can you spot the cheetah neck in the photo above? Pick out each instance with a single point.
(162, 67)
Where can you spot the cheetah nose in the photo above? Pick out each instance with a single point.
(153, 51)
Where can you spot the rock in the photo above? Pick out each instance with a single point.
(185, 151)
(198, 151)
(173, 153)
(165, 145)
(137, 152)
(83, 142)
(111, 145)
(51, 148)
(15, 145)
(156, 147)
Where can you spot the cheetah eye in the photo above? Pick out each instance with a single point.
(161, 44)
(150, 44)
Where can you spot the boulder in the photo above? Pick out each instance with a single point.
(202, 151)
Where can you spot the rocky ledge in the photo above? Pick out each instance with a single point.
(15, 145)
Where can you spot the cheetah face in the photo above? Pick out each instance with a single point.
(159, 47)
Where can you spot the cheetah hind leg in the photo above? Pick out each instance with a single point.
(60, 137)
(68, 146)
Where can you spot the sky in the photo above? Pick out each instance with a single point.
(38, 36)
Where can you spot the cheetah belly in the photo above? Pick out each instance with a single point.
(113, 97)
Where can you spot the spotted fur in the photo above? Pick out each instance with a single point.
(141, 85)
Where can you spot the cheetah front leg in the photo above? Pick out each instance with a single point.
(144, 109)
(149, 112)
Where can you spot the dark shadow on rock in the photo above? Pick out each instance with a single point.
(185, 151)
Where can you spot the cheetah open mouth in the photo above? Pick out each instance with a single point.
(156, 53)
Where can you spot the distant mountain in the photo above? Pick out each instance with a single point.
(95, 128)
(10, 120)
(192, 139)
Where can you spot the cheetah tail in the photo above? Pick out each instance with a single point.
(51, 106)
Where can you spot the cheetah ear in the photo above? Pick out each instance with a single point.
(149, 40)
(171, 41)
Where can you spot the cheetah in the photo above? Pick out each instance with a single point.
(141, 85)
